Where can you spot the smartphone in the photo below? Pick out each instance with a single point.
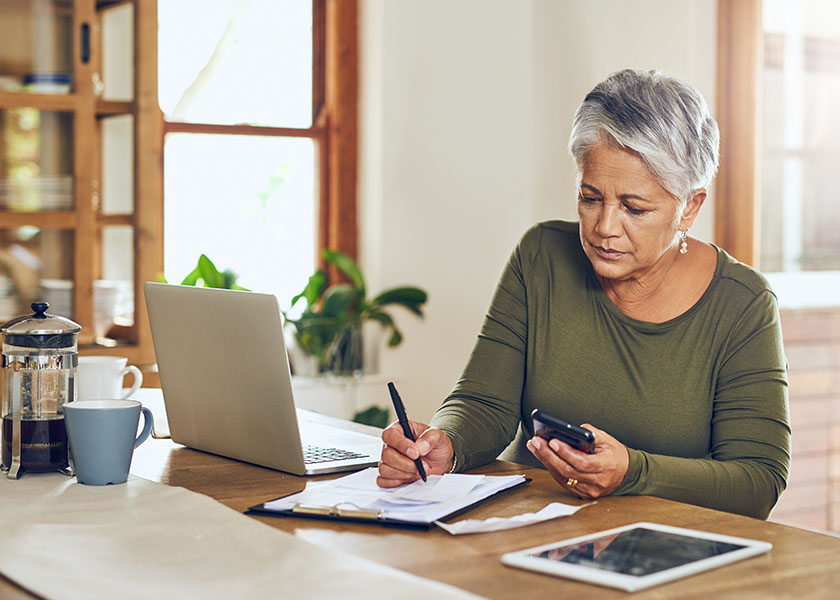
(549, 427)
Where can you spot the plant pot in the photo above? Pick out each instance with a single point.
(341, 396)
(347, 352)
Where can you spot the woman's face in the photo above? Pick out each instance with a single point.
(628, 221)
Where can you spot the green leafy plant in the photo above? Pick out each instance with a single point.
(373, 415)
(209, 276)
(330, 327)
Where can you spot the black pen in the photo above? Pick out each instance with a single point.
(400, 410)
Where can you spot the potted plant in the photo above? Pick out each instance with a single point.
(207, 273)
(330, 327)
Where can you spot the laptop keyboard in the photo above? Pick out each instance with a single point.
(315, 454)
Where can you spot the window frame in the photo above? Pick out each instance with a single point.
(334, 122)
(334, 128)
(738, 108)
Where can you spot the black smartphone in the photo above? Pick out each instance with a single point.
(548, 426)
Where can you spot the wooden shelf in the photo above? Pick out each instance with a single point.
(115, 219)
(63, 103)
(75, 147)
(102, 4)
(55, 102)
(45, 219)
(107, 108)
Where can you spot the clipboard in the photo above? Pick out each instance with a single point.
(346, 512)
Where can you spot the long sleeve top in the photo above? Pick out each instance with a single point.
(700, 401)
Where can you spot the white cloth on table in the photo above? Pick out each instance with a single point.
(141, 539)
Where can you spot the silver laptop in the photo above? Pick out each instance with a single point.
(227, 387)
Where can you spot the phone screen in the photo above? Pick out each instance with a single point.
(550, 427)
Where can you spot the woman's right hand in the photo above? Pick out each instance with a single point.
(397, 467)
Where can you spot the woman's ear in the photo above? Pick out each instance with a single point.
(692, 208)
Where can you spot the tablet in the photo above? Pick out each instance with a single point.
(637, 556)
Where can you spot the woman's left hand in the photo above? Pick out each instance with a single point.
(585, 475)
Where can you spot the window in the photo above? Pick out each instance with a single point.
(785, 219)
(259, 136)
(801, 136)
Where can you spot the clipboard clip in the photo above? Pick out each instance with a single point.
(337, 511)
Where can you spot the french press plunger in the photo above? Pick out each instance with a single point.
(40, 354)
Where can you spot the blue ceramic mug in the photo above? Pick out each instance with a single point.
(101, 434)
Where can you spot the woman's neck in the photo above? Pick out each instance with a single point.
(670, 288)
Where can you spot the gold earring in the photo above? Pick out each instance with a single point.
(683, 242)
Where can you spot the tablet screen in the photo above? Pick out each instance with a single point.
(637, 552)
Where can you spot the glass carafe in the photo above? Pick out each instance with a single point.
(40, 354)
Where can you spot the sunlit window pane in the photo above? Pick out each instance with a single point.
(117, 135)
(240, 62)
(800, 216)
(113, 295)
(245, 201)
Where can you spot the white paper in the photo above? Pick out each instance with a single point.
(416, 502)
(360, 480)
(67, 541)
(439, 488)
(552, 511)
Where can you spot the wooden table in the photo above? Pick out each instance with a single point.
(801, 564)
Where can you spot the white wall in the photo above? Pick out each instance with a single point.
(465, 113)
(577, 44)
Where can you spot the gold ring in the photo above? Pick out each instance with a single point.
(571, 482)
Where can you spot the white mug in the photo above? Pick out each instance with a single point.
(101, 378)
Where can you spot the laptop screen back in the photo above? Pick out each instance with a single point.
(225, 373)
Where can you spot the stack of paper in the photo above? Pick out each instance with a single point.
(418, 502)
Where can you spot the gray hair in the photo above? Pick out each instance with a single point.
(662, 119)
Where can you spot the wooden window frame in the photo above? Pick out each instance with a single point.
(148, 178)
(334, 127)
(334, 124)
(335, 109)
(738, 99)
(338, 201)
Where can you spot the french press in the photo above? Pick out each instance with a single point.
(40, 354)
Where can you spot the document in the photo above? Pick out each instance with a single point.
(551, 511)
(421, 503)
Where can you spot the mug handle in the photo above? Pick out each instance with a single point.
(148, 422)
(138, 379)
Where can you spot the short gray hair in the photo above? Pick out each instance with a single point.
(662, 119)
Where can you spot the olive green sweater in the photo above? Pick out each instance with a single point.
(700, 400)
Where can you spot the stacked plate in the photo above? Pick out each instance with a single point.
(37, 193)
(8, 300)
(48, 83)
(8, 308)
(58, 293)
(111, 298)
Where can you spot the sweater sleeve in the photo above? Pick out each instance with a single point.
(481, 414)
(749, 460)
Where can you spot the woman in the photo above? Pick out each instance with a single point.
(668, 346)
